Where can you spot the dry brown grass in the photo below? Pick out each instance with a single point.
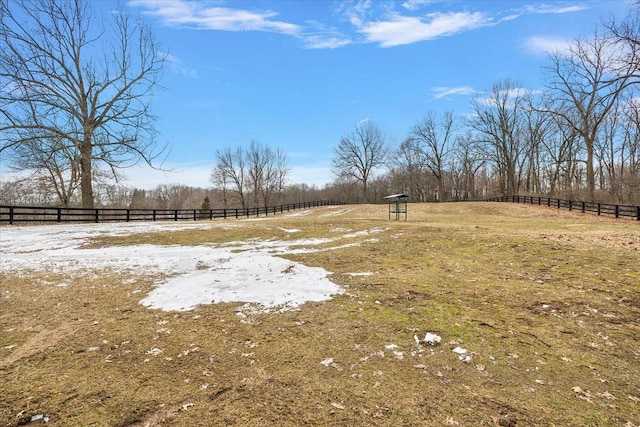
(547, 302)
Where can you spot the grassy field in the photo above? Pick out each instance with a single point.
(546, 303)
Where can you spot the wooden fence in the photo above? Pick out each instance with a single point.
(618, 211)
(39, 214)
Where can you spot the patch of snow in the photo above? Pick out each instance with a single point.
(432, 339)
(289, 230)
(462, 354)
(299, 213)
(244, 277)
(246, 271)
(338, 211)
(364, 232)
(460, 351)
(328, 361)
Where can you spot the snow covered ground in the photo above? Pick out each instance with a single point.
(250, 272)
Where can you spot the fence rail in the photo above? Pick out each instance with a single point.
(39, 214)
(618, 211)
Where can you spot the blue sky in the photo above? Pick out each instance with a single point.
(298, 75)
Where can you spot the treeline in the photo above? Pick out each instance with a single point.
(577, 138)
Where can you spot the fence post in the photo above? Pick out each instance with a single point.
(154, 215)
(637, 213)
(570, 205)
(583, 207)
(599, 209)
(558, 203)
(59, 219)
(128, 215)
(175, 214)
(11, 214)
(617, 209)
(97, 215)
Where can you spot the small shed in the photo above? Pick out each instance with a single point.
(398, 205)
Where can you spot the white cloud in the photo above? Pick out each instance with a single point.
(323, 37)
(199, 15)
(508, 96)
(554, 9)
(176, 65)
(321, 42)
(416, 4)
(401, 30)
(443, 91)
(544, 45)
(363, 121)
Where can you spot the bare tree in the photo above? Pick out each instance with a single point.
(469, 161)
(407, 170)
(66, 81)
(630, 151)
(499, 122)
(267, 172)
(435, 143)
(359, 153)
(561, 150)
(257, 171)
(230, 169)
(584, 85)
(275, 176)
(627, 33)
(53, 163)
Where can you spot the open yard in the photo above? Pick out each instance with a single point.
(467, 314)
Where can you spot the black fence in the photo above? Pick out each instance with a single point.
(617, 211)
(38, 214)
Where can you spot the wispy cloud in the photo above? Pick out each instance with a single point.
(416, 4)
(200, 15)
(554, 9)
(325, 42)
(176, 66)
(540, 45)
(443, 91)
(507, 96)
(320, 36)
(192, 14)
(401, 30)
(374, 22)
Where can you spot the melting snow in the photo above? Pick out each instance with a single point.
(248, 272)
(432, 339)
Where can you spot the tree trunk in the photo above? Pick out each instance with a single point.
(86, 174)
(591, 177)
